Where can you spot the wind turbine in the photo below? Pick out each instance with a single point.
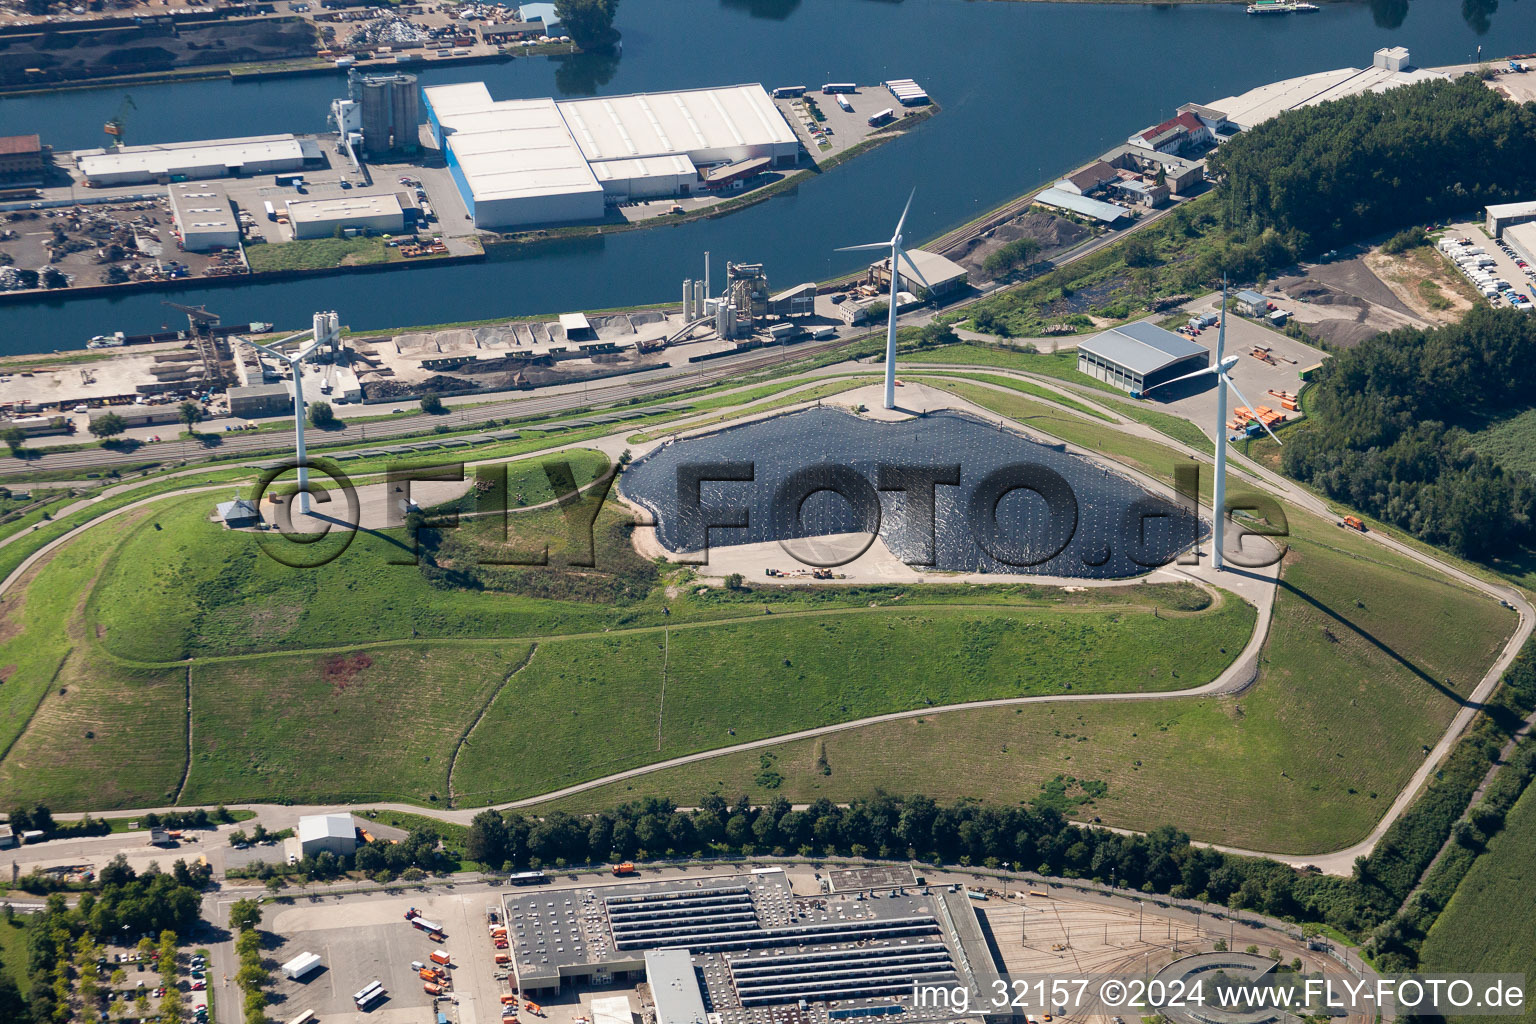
(1224, 381)
(327, 328)
(897, 254)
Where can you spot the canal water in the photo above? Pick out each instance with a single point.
(1027, 89)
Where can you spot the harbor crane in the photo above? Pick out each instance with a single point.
(119, 123)
(200, 324)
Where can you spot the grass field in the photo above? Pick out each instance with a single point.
(34, 636)
(13, 950)
(727, 683)
(355, 724)
(1061, 365)
(1307, 760)
(1510, 442)
(1023, 387)
(1487, 924)
(825, 389)
(104, 736)
(630, 661)
(315, 254)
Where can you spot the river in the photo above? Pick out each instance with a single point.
(1028, 90)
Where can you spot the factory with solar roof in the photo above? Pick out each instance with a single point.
(543, 161)
(746, 949)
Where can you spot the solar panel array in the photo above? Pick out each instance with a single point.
(1016, 506)
(817, 960)
(856, 973)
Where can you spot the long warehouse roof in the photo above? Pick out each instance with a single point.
(665, 123)
(166, 158)
(511, 148)
(1142, 347)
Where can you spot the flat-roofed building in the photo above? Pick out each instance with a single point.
(1135, 357)
(1503, 215)
(745, 948)
(674, 988)
(1180, 175)
(371, 214)
(203, 216)
(260, 400)
(539, 161)
(218, 158)
(1390, 68)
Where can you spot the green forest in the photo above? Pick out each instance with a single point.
(1341, 171)
(1387, 431)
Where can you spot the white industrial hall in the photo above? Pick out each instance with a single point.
(542, 161)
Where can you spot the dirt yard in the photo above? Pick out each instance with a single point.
(1053, 233)
(1345, 302)
(1425, 283)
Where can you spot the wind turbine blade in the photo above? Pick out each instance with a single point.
(1221, 331)
(307, 349)
(1187, 376)
(915, 272)
(904, 210)
(274, 353)
(1240, 398)
(861, 248)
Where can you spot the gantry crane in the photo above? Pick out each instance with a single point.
(201, 324)
(119, 123)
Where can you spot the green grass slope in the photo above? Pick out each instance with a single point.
(586, 707)
(351, 725)
(1351, 690)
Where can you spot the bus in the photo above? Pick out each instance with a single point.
(307, 1017)
(528, 878)
(289, 179)
(836, 87)
(881, 117)
(842, 101)
(979, 897)
(788, 92)
(366, 1001)
(367, 993)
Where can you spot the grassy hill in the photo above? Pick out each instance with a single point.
(1351, 690)
(218, 674)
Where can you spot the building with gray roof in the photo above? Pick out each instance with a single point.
(1138, 356)
(1095, 209)
(744, 948)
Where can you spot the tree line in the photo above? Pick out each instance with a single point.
(1374, 162)
(1387, 430)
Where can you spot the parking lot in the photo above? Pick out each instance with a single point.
(1504, 266)
(843, 129)
(365, 938)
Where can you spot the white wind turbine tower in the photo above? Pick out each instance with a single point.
(1224, 381)
(326, 329)
(897, 254)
